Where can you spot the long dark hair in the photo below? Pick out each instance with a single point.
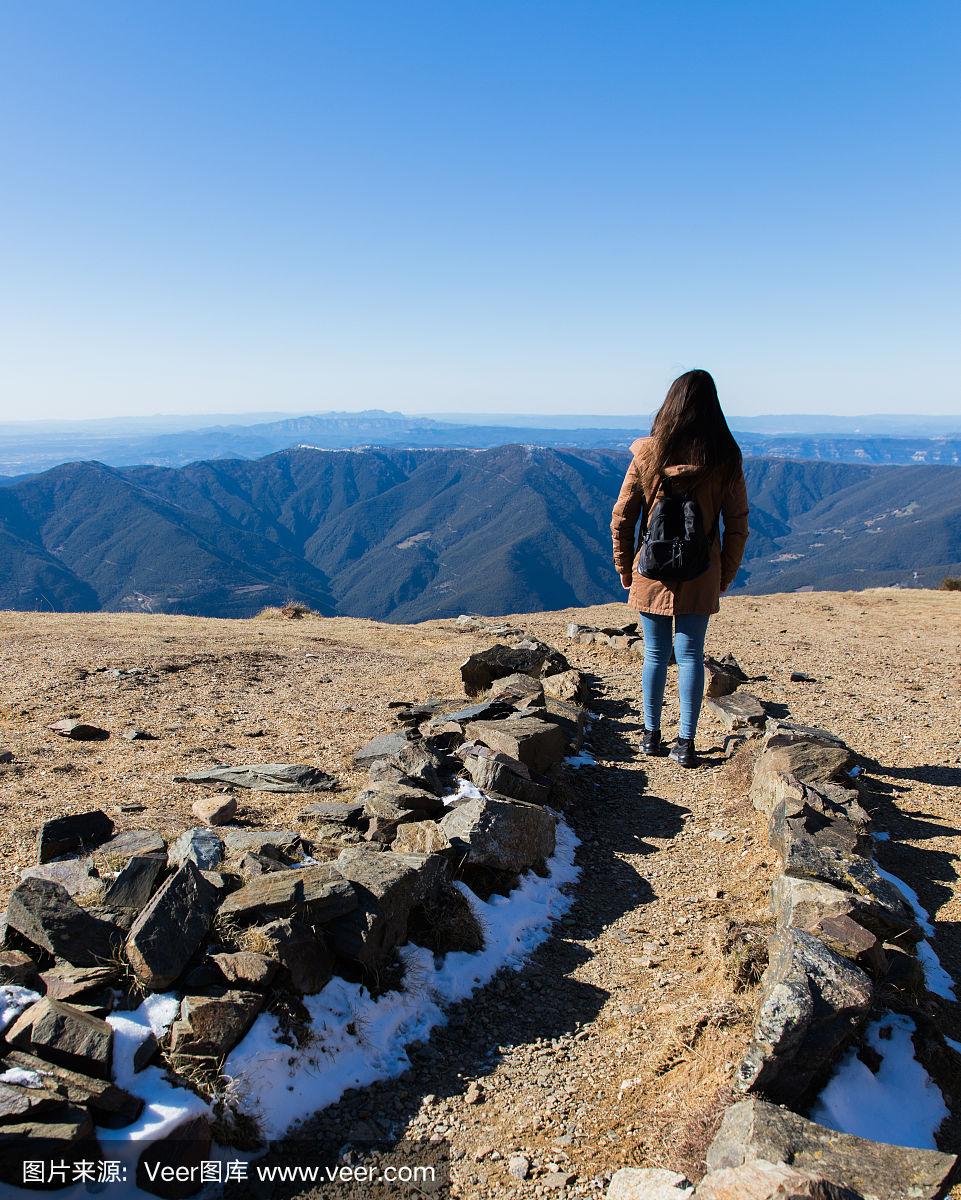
(690, 427)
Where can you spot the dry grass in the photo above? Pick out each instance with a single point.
(951, 583)
(293, 610)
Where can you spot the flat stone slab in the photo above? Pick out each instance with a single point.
(399, 795)
(385, 745)
(739, 710)
(71, 983)
(72, 835)
(44, 913)
(319, 889)
(332, 812)
(78, 875)
(754, 1129)
(135, 884)
(133, 841)
(110, 1106)
(266, 777)
(539, 745)
(273, 843)
(79, 731)
(66, 1035)
(170, 930)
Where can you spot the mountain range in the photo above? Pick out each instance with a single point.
(406, 535)
(29, 447)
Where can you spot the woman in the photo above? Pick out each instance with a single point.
(683, 481)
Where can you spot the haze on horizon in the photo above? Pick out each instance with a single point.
(520, 209)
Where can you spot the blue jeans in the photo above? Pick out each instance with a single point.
(688, 641)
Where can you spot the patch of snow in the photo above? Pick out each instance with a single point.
(584, 759)
(22, 1077)
(935, 976)
(465, 788)
(882, 837)
(13, 1000)
(359, 1039)
(900, 1105)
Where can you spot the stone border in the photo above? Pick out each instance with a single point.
(239, 920)
(844, 948)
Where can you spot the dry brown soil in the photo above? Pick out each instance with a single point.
(615, 1046)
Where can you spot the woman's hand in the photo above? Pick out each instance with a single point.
(626, 581)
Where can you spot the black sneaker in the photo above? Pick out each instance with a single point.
(651, 743)
(683, 752)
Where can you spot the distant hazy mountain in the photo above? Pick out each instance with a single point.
(36, 446)
(411, 534)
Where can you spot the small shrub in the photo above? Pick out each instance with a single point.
(951, 583)
(293, 610)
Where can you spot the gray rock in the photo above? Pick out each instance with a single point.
(539, 744)
(420, 837)
(527, 658)
(754, 1129)
(830, 914)
(385, 745)
(72, 835)
(304, 955)
(807, 762)
(572, 718)
(21, 1103)
(414, 766)
(245, 969)
(266, 777)
(210, 1026)
(135, 884)
(250, 866)
(170, 930)
(388, 886)
(565, 685)
(215, 810)
(761, 1180)
(779, 733)
(280, 844)
(332, 812)
(44, 914)
(808, 831)
(133, 734)
(6, 756)
(318, 889)
(79, 731)
(399, 795)
(72, 983)
(721, 680)
(507, 835)
(517, 687)
(63, 1034)
(494, 772)
(812, 1002)
(133, 842)
(110, 1106)
(648, 1183)
(739, 710)
(202, 847)
(78, 875)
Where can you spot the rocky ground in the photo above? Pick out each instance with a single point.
(616, 1045)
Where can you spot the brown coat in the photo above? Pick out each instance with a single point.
(716, 496)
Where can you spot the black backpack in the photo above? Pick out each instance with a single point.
(674, 545)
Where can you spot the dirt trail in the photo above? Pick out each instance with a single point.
(616, 1044)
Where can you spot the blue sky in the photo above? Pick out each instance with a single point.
(496, 206)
